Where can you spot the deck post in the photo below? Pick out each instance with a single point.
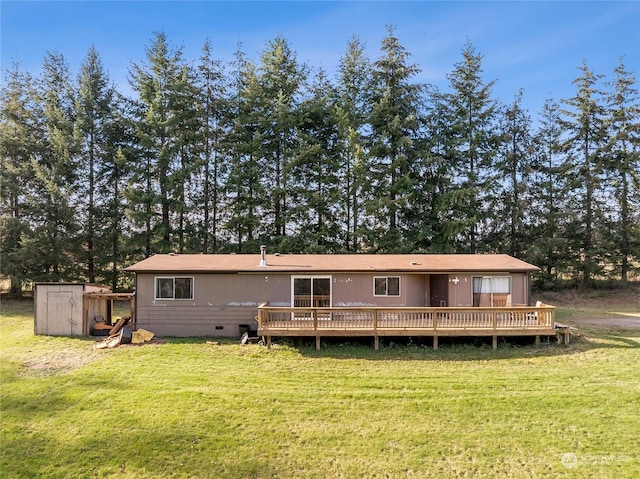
(268, 342)
(495, 327)
(376, 343)
(537, 343)
(435, 331)
(314, 315)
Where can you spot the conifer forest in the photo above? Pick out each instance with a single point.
(201, 155)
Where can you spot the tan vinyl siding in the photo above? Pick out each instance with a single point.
(220, 304)
(356, 289)
(460, 294)
(414, 287)
(519, 289)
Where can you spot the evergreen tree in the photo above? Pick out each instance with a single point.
(18, 141)
(622, 164)
(51, 249)
(548, 248)
(315, 173)
(438, 224)
(213, 118)
(188, 141)
(395, 111)
(280, 79)
(585, 128)
(161, 85)
(511, 195)
(471, 146)
(93, 126)
(114, 171)
(246, 197)
(353, 111)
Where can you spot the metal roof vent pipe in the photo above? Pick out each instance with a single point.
(263, 255)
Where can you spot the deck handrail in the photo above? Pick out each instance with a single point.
(430, 318)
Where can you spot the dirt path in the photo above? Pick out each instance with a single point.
(616, 320)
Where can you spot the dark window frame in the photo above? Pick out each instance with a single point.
(387, 283)
(169, 288)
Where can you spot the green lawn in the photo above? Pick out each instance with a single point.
(187, 409)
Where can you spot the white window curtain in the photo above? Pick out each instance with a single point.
(496, 284)
(485, 287)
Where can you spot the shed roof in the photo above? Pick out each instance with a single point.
(325, 263)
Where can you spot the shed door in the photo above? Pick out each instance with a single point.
(59, 318)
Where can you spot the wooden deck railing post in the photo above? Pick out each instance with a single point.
(495, 327)
(376, 343)
(435, 330)
(314, 315)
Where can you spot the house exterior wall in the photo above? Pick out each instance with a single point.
(221, 304)
(461, 291)
(224, 304)
(356, 289)
(520, 289)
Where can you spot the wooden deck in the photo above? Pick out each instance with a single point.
(429, 322)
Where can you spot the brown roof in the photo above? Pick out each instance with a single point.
(302, 263)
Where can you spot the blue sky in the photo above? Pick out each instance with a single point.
(534, 45)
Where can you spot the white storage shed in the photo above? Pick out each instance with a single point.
(59, 308)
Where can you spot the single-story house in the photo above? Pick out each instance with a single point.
(220, 294)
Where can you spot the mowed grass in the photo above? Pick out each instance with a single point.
(183, 408)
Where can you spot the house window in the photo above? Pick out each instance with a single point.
(174, 287)
(491, 290)
(386, 286)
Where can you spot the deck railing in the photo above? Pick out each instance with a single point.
(373, 321)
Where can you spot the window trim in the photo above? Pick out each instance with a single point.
(387, 295)
(173, 280)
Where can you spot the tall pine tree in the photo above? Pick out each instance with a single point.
(245, 192)
(51, 250)
(471, 147)
(622, 164)
(280, 80)
(93, 120)
(509, 200)
(18, 141)
(548, 198)
(584, 125)
(161, 84)
(353, 111)
(394, 120)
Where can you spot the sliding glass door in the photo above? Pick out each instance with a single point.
(311, 291)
